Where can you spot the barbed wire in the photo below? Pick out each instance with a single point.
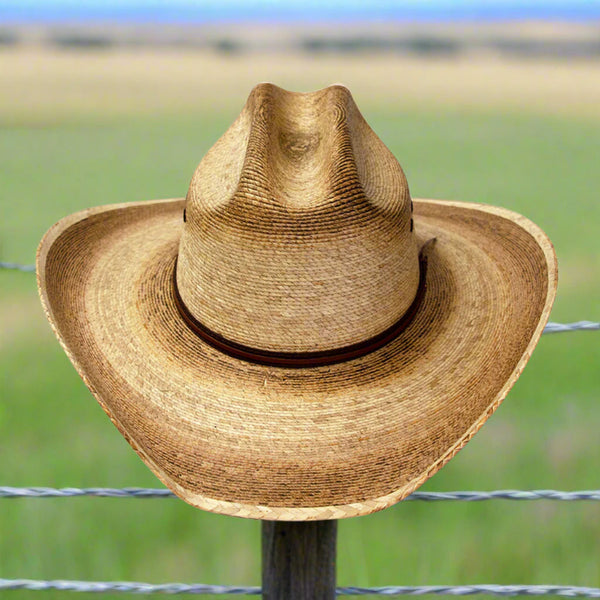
(470, 590)
(199, 588)
(478, 496)
(465, 496)
(577, 326)
(135, 587)
(17, 266)
(550, 327)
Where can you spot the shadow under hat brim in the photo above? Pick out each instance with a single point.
(327, 442)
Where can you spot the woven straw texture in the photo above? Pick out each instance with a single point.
(299, 235)
(298, 223)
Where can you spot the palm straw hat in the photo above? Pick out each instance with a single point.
(297, 339)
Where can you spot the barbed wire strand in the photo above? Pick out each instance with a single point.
(470, 590)
(465, 496)
(577, 326)
(17, 267)
(199, 588)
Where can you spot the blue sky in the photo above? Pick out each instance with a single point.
(269, 10)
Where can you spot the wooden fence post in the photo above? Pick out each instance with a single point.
(298, 560)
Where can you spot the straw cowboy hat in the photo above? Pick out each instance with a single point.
(297, 339)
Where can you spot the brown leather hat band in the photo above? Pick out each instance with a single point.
(296, 360)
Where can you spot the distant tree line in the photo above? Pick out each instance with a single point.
(412, 44)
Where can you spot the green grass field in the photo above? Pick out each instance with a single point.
(545, 435)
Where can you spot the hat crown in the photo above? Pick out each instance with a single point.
(298, 230)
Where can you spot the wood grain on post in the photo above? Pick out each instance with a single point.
(298, 560)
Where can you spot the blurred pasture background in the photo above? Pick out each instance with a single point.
(96, 111)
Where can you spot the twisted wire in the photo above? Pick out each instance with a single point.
(135, 587)
(199, 588)
(46, 492)
(465, 496)
(577, 326)
(17, 266)
(469, 590)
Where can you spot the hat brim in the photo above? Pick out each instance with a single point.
(327, 442)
